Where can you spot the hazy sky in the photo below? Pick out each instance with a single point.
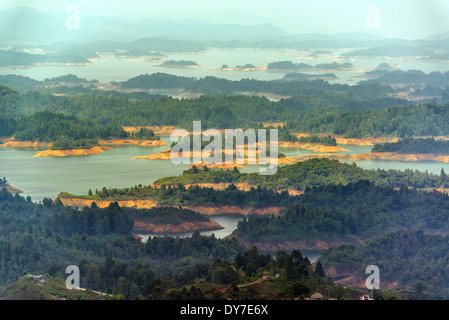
(409, 19)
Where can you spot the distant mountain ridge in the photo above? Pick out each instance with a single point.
(24, 24)
(27, 25)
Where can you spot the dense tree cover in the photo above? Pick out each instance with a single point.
(68, 78)
(412, 145)
(425, 119)
(314, 172)
(166, 215)
(298, 223)
(236, 111)
(144, 134)
(194, 195)
(47, 237)
(66, 131)
(284, 134)
(179, 63)
(413, 258)
(65, 143)
(337, 93)
(49, 126)
(392, 51)
(306, 76)
(327, 140)
(68, 85)
(297, 278)
(414, 78)
(92, 221)
(357, 209)
(288, 65)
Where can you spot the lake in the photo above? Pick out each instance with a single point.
(110, 68)
(47, 177)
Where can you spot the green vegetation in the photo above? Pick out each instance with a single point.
(144, 134)
(45, 238)
(284, 134)
(392, 51)
(303, 113)
(426, 119)
(194, 195)
(178, 64)
(414, 78)
(167, 215)
(327, 141)
(65, 143)
(68, 78)
(358, 209)
(417, 260)
(318, 108)
(359, 97)
(290, 66)
(300, 223)
(246, 66)
(48, 126)
(310, 173)
(67, 131)
(305, 76)
(412, 145)
(3, 182)
(92, 221)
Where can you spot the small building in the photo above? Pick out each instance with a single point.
(316, 296)
(365, 297)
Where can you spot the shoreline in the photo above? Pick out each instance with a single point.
(386, 156)
(231, 210)
(72, 152)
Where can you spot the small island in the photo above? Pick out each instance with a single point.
(289, 66)
(62, 135)
(184, 64)
(297, 76)
(415, 146)
(246, 67)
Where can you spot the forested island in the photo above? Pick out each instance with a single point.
(57, 131)
(179, 64)
(292, 67)
(246, 67)
(195, 267)
(310, 173)
(414, 145)
(413, 257)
